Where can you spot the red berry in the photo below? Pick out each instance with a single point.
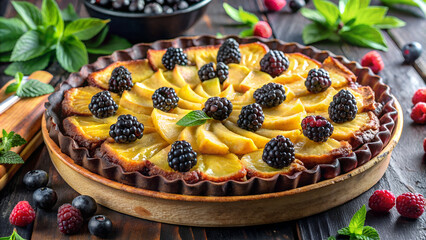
(419, 96)
(410, 205)
(374, 61)
(22, 214)
(69, 219)
(262, 29)
(381, 201)
(274, 5)
(418, 114)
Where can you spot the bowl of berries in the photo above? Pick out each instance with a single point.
(148, 20)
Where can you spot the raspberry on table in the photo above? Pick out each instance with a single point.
(424, 144)
(382, 201)
(69, 219)
(218, 108)
(317, 128)
(127, 129)
(343, 107)
(229, 52)
(274, 63)
(121, 80)
(419, 96)
(22, 214)
(410, 205)
(165, 99)
(182, 157)
(102, 105)
(222, 71)
(418, 113)
(278, 152)
(318, 80)
(174, 56)
(262, 29)
(374, 61)
(207, 72)
(274, 5)
(270, 95)
(251, 117)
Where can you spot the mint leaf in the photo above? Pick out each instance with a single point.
(29, 13)
(52, 16)
(344, 231)
(390, 22)
(370, 232)
(351, 10)
(14, 236)
(85, 28)
(71, 54)
(246, 33)
(113, 43)
(30, 66)
(328, 10)
(34, 88)
(69, 14)
(97, 40)
(247, 17)
(365, 36)
(5, 57)
(219, 35)
(11, 88)
(331, 238)
(357, 222)
(10, 31)
(416, 3)
(371, 15)
(193, 118)
(232, 12)
(313, 15)
(314, 33)
(29, 46)
(10, 140)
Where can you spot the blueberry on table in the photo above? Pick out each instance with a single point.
(295, 5)
(35, 179)
(86, 204)
(100, 226)
(45, 198)
(411, 51)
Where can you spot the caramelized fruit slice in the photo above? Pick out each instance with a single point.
(259, 141)
(135, 103)
(364, 97)
(293, 135)
(175, 78)
(188, 73)
(208, 143)
(143, 91)
(185, 104)
(255, 79)
(252, 53)
(228, 93)
(284, 123)
(339, 74)
(158, 80)
(188, 94)
(188, 134)
(285, 108)
(244, 99)
(304, 64)
(319, 101)
(202, 55)
(220, 168)
(237, 144)
(298, 88)
(212, 86)
(237, 73)
(165, 124)
(288, 78)
(200, 91)
(155, 58)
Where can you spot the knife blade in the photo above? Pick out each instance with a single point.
(8, 102)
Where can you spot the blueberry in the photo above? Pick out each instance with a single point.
(153, 8)
(167, 9)
(295, 5)
(100, 226)
(35, 179)
(86, 205)
(411, 51)
(181, 5)
(45, 198)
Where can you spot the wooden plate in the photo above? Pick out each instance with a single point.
(224, 211)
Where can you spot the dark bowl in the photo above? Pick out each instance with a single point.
(141, 27)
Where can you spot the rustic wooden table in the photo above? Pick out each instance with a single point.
(406, 172)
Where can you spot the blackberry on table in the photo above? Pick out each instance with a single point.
(207, 72)
(229, 52)
(222, 71)
(218, 108)
(270, 95)
(165, 99)
(343, 107)
(317, 128)
(182, 157)
(274, 63)
(121, 80)
(318, 80)
(251, 117)
(102, 105)
(278, 152)
(174, 56)
(127, 129)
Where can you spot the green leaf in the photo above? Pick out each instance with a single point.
(219, 35)
(10, 31)
(69, 14)
(329, 10)
(112, 44)
(15, 86)
(246, 32)
(85, 28)
(247, 17)
(416, 3)
(9, 140)
(232, 12)
(370, 232)
(342, 5)
(314, 33)
(11, 88)
(365, 36)
(344, 231)
(371, 15)
(97, 40)
(193, 118)
(28, 67)
(331, 238)
(34, 88)
(71, 54)
(357, 222)
(29, 13)
(52, 16)
(5, 57)
(390, 22)
(29, 46)
(313, 15)
(351, 10)
(10, 157)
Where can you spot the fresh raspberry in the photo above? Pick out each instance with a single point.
(374, 61)
(410, 205)
(419, 96)
(69, 219)
(418, 114)
(22, 214)
(381, 201)
(274, 5)
(262, 29)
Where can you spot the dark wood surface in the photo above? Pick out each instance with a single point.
(406, 172)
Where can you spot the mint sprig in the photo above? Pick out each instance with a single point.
(194, 118)
(32, 88)
(13, 236)
(247, 19)
(7, 142)
(415, 3)
(356, 228)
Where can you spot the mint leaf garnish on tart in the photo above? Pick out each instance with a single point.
(194, 118)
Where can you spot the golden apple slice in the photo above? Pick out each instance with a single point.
(340, 75)
(293, 135)
(319, 101)
(200, 91)
(184, 104)
(212, 86)
(259, 141)
(298, 88)
(237, 73)
(284, 123)
(237, 144)
(175, 78)
(221, 168)
(208, 143)
(255, 79)
(165, 124)
(244, 99)
(202, 55)
(188, 94)
(155, 58)
(188, 73)
(285, 108)
(188, 134)
(304, 64)
(228, 93)
(157, 81)
(252, 53)
(288, 78)
(143, 91)
(134, 102)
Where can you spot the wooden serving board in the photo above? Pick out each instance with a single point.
(24, 118)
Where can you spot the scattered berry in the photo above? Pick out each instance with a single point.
(165, 99)
(102, 105)
(343, 107)
(229, 52)
(381, 201)
(45, 198)
(22, 214)
(153, 8)
(278, 152)
(419, 96)
(100, 226)
(418, 114)
(127, 129)
(318, 80)
(35, 179)
(86, 204)
(181, 157)
(70, 220)
(222, 71)
(374, 61)
(274, 62)
(206, 72)
(218, 108)
(262, 29)
(251, 117)
(274, 5)
(317, 128)
(410, 205)
(296, 5)
(121, 80)
(270, 95)
(174, 56)
(411, 51)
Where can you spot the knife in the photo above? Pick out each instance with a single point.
(8, 102)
